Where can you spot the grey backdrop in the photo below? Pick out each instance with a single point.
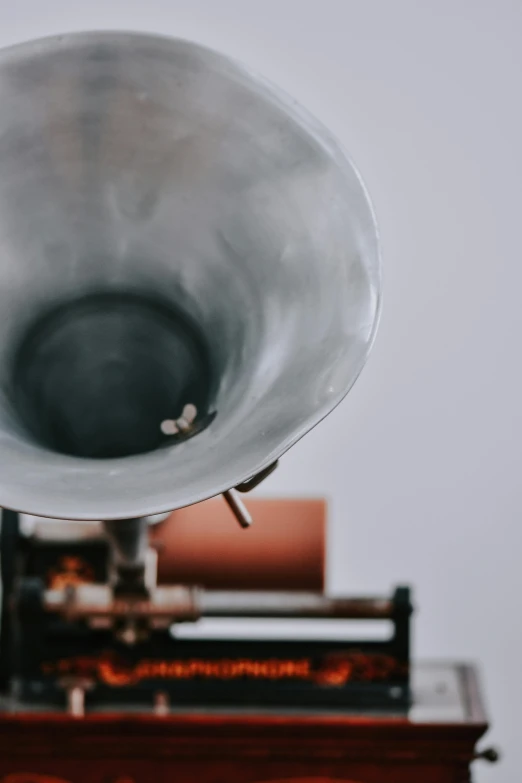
(422, 461)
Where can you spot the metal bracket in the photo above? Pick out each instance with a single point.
(252, 483)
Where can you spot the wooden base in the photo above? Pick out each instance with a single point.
(434, 743)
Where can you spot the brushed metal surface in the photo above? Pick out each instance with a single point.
(136, 163)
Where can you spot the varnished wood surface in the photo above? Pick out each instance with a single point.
(252, 747)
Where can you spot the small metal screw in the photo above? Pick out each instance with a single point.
(492, 755)
(182, 424)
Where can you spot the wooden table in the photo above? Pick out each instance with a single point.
(434, 743)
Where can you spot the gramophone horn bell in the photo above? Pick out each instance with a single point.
(189, 275)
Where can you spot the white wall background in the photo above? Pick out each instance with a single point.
(422, 462)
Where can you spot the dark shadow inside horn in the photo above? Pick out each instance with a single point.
(96, 376)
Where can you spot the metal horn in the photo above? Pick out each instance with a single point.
(189, 275)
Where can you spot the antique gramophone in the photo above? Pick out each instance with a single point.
(189, 282)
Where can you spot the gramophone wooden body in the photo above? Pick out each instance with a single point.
(434, 743)
(431, 738)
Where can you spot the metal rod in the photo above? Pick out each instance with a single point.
(76, 701)
(188, 604)
(129, 540)
(161, 703)
(215, 603)
(238, 508)
(75, 689)
(98, 601)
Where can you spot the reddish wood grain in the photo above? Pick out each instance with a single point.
(255, 748)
